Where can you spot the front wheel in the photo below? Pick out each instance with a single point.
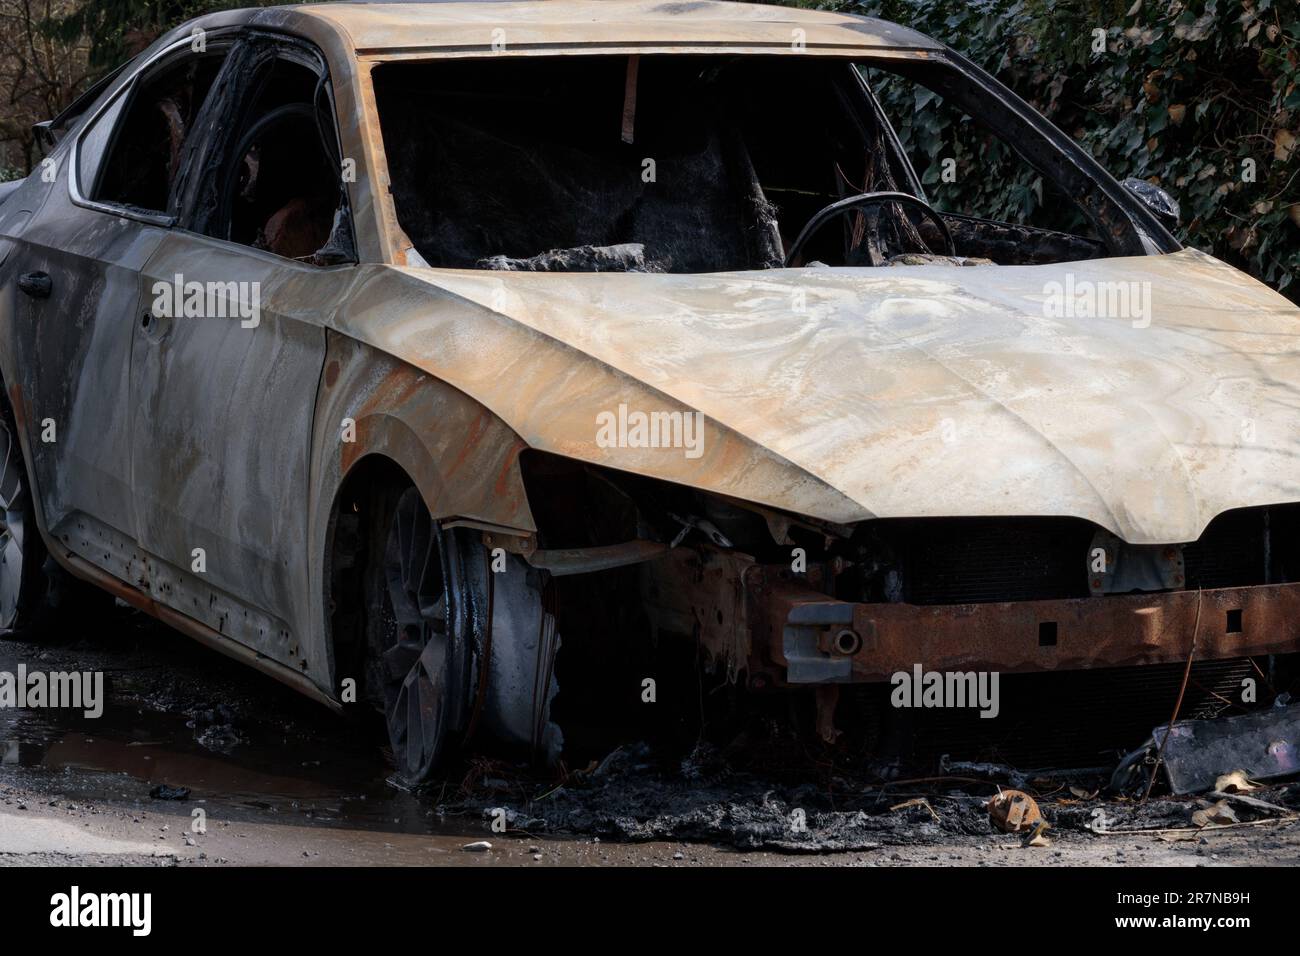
(418, 625)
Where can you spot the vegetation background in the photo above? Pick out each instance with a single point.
(1201, 97)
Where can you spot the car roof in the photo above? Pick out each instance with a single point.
(564, 25)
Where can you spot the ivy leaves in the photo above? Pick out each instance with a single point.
(1201, 97)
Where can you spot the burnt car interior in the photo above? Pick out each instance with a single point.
(272, 180)
(680, 164)
(264, 173)
(279, 189)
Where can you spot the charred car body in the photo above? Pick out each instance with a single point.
(387, 346)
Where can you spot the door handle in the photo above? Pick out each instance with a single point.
(36, 284)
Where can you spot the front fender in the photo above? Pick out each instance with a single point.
(462, 458)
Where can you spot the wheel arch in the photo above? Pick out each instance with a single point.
(379, 419)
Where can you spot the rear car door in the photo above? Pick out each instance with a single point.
(228, 354)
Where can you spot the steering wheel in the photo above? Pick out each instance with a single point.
(240, 191)
(794, 258)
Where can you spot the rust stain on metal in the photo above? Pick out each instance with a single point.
(1027, 636)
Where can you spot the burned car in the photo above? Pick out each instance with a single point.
(449, 357)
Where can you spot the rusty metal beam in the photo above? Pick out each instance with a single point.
(806, 633)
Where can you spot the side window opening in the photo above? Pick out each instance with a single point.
(996, 204)
(280, 187)
(814, 141)
(146, 146)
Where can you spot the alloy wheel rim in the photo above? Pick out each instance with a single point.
(416, 635)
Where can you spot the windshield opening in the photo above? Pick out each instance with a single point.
(676, 163)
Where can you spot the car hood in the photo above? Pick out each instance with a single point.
(914, 391)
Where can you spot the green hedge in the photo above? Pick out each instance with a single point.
(1193, 95)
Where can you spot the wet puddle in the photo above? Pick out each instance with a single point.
(269, 754)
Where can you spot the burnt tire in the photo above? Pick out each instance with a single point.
(419, 660)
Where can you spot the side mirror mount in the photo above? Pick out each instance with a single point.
(1163, 205)
(43, 133)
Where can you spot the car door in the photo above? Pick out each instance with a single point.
(228, 355)
(97, 210)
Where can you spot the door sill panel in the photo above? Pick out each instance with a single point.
(108, 559)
